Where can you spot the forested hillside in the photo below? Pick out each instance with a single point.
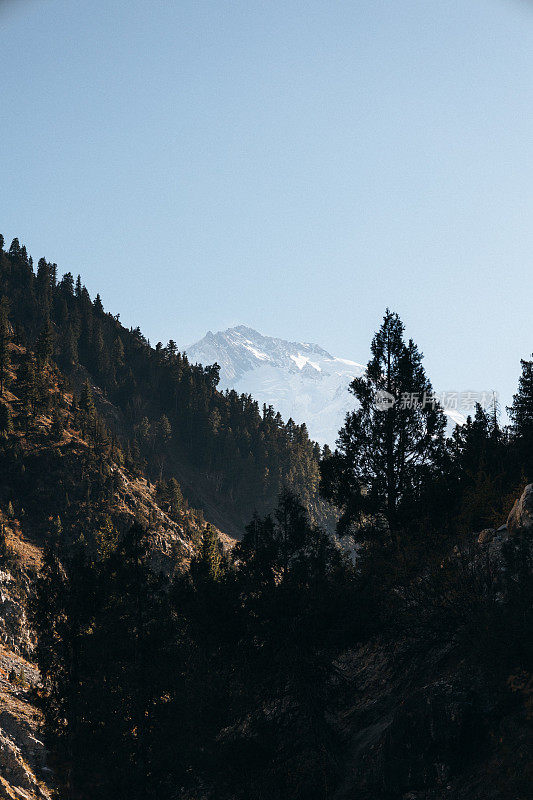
(229, 456)
(144, 655)
(64, 487)
(284, 669)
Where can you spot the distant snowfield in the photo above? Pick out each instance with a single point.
(300, 380)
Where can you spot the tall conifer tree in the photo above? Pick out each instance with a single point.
(391, 444)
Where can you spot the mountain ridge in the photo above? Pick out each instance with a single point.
(301, 380)
(167, 413)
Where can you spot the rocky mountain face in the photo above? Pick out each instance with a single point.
(24, 769)
(300, 380)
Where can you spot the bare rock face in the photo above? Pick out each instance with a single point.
(14, 630)
(520, 519)
(17, 778)
(24, 774)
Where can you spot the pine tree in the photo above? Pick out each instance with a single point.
(70, 350)
(44, 347)
(118, 353)
(14, 248)
(391, 445)
(521, 414)
(106, 539)
(175, 497)
(495, 429)
(27, 380)
(67, 284)
(165, 430)
(171, 349)
(44, 284)
(5, 339)
(87, 400)
(170, 497)
(208, 564)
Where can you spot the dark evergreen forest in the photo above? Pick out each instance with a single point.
(286, 666)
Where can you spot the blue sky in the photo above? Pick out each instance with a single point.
(292, 166)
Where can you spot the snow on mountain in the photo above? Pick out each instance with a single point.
(300, 380)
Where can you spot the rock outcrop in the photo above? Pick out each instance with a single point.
(24, 774)
(520, 519)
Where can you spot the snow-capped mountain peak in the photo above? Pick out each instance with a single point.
(301, 380)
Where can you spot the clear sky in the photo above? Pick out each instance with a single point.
(292, 166)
